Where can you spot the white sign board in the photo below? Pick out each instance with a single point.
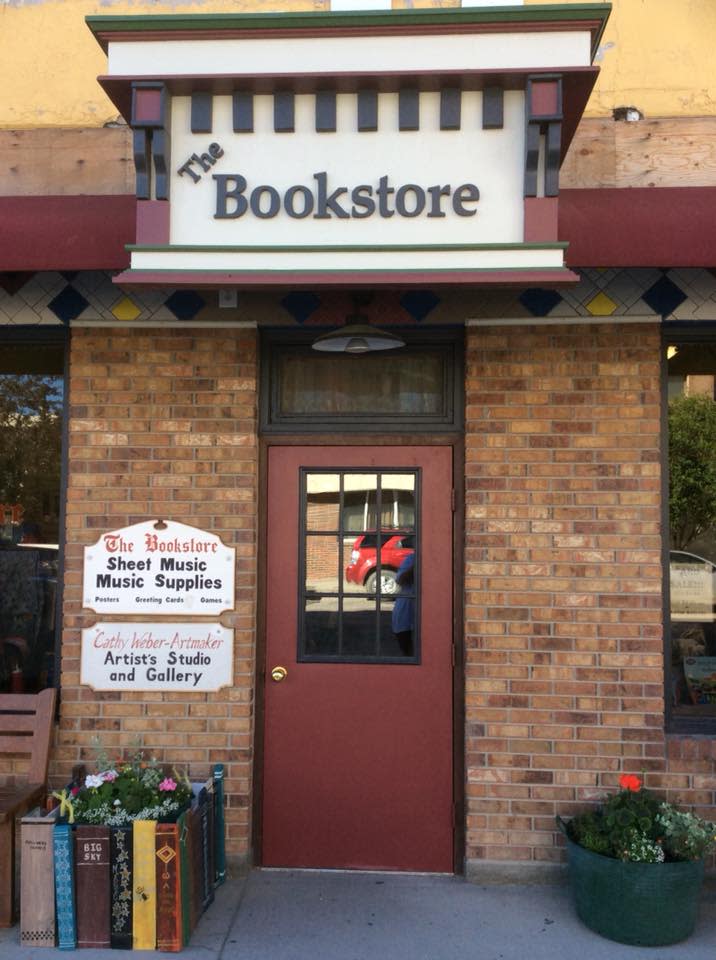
(184, 657)
(159, 567)
(692, 591)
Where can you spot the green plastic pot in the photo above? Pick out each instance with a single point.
(643, 904)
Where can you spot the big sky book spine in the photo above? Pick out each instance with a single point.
(37, 881)
(65, 902)
(92, 863)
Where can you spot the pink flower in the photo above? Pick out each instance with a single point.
(110, 775)
(74, 791)
(167, 784)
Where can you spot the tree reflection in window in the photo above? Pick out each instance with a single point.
(31, 417)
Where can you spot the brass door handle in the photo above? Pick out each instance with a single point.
(278, 674)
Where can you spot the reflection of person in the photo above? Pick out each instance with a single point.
(403, 618)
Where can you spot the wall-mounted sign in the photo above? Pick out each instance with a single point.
(186, 657)
(159, 567)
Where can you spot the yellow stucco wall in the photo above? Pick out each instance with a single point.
(656, 55)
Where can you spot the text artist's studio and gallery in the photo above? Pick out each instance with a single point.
(352, 473)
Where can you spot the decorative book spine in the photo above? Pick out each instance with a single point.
(168, 879)
(65, 887)
(93, 886)
(220, 852)
(183, 824)
(121, 924)
(37, 884)
(206, 805)
(144, 907)
(196, 866)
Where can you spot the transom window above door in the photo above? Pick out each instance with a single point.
(359, 566)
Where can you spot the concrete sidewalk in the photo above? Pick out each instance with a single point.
(327, 915)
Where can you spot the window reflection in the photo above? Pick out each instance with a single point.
(31, 391)
(358, 574)
(692, 523)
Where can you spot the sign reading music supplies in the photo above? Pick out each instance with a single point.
(181, 657)
(159, 567)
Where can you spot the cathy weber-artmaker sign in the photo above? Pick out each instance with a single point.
(159, 567)
(181, 657)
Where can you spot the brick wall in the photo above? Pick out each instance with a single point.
(564, 686)
(163, 424)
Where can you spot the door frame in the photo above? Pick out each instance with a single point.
(456, 443)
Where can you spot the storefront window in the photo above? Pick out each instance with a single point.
(692, 525)
(31, 403)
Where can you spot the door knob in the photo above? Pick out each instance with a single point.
(278, 674)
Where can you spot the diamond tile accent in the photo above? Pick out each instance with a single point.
(664, 297)
(68, 304)
(301, 305)
(601, 305)
(419, 303)
(539, 302)
(126, 309)
(185, 304)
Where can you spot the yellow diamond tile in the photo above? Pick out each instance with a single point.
(126, 309)
(601, 306)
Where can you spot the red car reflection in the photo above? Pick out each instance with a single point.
(395, 547)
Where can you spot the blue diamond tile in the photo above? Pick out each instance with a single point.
(301, 305)
(539, 302)
(419, 303)
(664, 297)
(185, 304)
(68, 304)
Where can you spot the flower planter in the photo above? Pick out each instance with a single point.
(644, 904)
(142, 884)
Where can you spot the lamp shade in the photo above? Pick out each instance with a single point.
(356, 338)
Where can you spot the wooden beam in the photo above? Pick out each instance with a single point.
(671, 152)
(65, 162)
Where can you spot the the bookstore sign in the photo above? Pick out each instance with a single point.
(158, 568)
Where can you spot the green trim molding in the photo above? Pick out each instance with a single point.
(314, 23)
(368, 248)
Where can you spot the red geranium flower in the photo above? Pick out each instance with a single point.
(628, 781)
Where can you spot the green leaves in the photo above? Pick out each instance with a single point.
(639, 827)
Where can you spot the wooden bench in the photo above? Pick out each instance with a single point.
(25, 730)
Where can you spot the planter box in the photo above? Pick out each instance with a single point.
(645, 904)
(144, 885)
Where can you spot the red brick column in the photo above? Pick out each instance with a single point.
(163, 424)
(562, 578)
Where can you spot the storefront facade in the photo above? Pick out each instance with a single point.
(450, 578)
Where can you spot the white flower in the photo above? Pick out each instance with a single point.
(93, 780)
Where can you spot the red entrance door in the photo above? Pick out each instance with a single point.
(358, 699)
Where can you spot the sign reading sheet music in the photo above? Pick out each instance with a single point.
(159, 567)
(184, 657)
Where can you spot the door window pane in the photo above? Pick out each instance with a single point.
(31, 404)
(364, 572)
(692, 524)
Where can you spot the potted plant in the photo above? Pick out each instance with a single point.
(636, 866)
(126, 791)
